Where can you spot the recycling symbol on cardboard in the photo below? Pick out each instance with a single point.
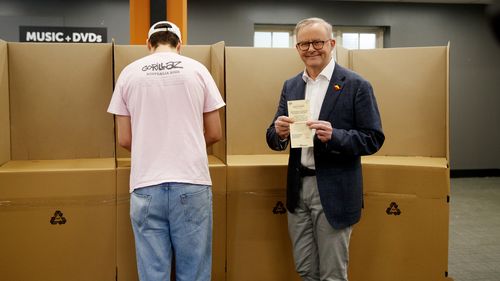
(279, 208)
(393, 209)
(58, 218)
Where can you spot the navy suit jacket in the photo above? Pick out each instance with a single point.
(351, 108)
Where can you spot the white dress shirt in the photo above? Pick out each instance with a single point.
(315, 93)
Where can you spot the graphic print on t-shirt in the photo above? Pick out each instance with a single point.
(162, 68)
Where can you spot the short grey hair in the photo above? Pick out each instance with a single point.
(310, 21)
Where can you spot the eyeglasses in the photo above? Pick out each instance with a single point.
(317, 45)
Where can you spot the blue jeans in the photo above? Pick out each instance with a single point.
(173, 218)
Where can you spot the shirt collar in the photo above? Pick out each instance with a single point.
(326, 73)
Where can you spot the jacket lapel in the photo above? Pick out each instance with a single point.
(300, 92)
(333, 92)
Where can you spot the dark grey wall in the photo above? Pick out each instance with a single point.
(112, 14)
(475, 55)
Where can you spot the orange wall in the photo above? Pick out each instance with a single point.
(140, 19)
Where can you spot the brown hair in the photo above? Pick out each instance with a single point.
(163, 38)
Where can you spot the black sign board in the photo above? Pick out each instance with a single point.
(55, 34)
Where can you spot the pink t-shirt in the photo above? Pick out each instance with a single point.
(165, 95)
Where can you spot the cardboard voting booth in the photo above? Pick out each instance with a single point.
(64, 182)
(258, 247)
(403, 233)
(212, 56)
(57, 167)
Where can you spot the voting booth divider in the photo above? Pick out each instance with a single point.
(258, 246)
(64, 182)
(57, 164)
(403, 233)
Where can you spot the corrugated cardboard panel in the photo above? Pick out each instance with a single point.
(125, 54)
(4, 105)
(217, 70)
(212, 56)
(126, 260)
(217, 66)
(59, 94)
(254, 80)
(201, 53)
(218, 172)
(411, 89)
(14, 171)
(258, 245)
(400, 237)
(414, 161)
(60, 225)
(23, 166)
(421, 176)
(256, 219)
(249, 173)
(342, 56)
(258, 160)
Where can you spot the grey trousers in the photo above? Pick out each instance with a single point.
(320, 252)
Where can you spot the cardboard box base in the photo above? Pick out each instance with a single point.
(58, 220)
(426, 177)
(259, 247)
(400, 237)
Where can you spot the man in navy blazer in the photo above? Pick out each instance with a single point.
(324, 182)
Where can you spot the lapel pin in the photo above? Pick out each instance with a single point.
(337, 87)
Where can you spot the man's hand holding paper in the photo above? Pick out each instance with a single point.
(282, 126)
(323, 129)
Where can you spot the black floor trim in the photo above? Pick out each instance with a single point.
(479, 173)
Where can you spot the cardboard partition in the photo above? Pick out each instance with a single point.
(254, 80)
(341, 56)
(424, 177)
(218, 174)
(211, 56)
(400, 237)
(4, 105)
(126, 260)
(126, 263)
(411, 87)
(57, 183)
(403, 232)
(61, 112)
(258, 245)
(58, 220)
(217, 69)
(411, 170)
(413, 107)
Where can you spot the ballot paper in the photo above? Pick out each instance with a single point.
(300, 134)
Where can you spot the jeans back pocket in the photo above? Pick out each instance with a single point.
(139, 207)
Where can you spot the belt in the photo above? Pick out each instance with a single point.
(306, 172)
